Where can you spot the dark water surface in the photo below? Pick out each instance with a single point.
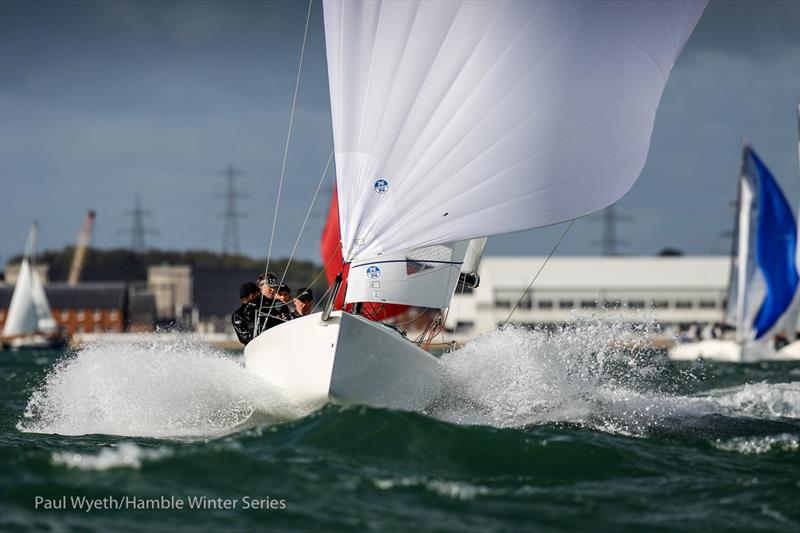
(534, 433)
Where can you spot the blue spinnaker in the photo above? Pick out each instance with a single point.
(776, 244)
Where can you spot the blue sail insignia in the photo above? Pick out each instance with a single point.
(776, 245)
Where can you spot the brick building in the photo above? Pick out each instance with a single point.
(93, 307)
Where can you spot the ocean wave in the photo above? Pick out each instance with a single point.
(762, 400)
(124, 455)
(759, 445)
(457, 490)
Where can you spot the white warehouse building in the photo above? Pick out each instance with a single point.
(672, 291)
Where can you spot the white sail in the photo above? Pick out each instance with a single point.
(424, 277)
(29, 310)
(22, 318)
(459, 119)
(45, 322)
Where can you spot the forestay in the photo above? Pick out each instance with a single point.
(454, 119)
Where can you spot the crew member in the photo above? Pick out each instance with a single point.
(303, 303)
(273, 312)
(244, 318)
(284, 293)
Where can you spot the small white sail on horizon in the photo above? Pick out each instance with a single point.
(29, 311)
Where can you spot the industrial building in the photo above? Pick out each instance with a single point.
(671, 291)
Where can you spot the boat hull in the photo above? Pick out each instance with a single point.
(730, 351)
(34, 342)
(346, 359)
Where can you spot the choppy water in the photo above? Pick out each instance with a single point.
(534, 431)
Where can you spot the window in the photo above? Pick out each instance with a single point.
(114, 314)
(81, 314)
(565, 304)
(97, 315)
(588, 304)
(612, 304)
(545, 304)
(660, 304)
(502, 304)
(683, 304)
(525, 304)
(636, 304)
(708, 304)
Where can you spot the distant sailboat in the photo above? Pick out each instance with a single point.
(30, 323)
(457, 120)
(763, 297)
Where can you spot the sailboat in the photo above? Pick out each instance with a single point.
(763, 296)
(458, 120)
(30, 323)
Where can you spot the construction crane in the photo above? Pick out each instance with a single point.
(84, 237)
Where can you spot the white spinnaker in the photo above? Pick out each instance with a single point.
(22, 318)
(460, 119)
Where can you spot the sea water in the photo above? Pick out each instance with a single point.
(535, 430)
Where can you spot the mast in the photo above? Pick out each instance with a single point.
(741, 247)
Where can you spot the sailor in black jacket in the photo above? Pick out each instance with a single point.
(244, 318)
(273, 311)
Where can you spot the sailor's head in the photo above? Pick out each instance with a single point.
(268, 284)
(304, 303)
(284, 293)
(248, 292)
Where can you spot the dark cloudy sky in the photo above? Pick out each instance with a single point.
(101, 100)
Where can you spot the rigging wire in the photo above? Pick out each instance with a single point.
(564, 234)
(305, 221)
(283, 165)
(288, 137)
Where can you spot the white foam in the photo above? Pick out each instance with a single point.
(759, 445)
(159, 389)
(124, 455)
(457, 490)
(762, 400)
(514, 376)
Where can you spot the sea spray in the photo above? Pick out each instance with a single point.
(160, 389)
(592, 373)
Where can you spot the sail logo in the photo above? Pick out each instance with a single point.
(381, 186)
(373, 272)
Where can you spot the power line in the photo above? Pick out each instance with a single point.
(230, 230)
(609, 242)
(138, 230)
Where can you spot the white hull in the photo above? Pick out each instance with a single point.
(33, 341)
(790, 351)
(346, 359)
(730, 351)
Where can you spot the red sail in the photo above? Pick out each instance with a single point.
(331, 248)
